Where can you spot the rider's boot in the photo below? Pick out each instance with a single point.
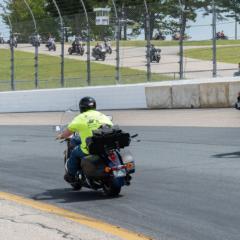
(69, 178)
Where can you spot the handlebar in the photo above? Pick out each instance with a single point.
(134, 136)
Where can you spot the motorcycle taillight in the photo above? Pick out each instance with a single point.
(112, 156)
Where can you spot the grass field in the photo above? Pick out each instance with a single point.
(75, 72)
(141, 43)
(224, 54)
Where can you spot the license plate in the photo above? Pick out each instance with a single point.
(119, 173)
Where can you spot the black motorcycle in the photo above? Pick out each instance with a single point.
(159, 36)
(155, 54)
(109, 166)
(35, 41)
(99, 53)
(77, 48)
(237, 104)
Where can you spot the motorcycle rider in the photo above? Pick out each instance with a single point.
(153, 50)
(98, 46)
(51, 41)
(76, 43)
(237, 104)
(84, 124)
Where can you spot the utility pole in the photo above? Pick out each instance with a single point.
(214, 43)
(36, 37)
(62, 43)
(181, 41)
(118, 31)
(88, 45)
(149, 75)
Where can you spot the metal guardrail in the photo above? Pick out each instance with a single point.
(127, 59)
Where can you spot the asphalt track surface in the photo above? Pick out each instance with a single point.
(187, 184)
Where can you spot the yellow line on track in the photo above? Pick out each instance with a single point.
(84, 220)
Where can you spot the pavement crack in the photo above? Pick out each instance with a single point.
(64, 235)
(8, 219)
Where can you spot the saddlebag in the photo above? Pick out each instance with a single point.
(107, 138)
(93, 166)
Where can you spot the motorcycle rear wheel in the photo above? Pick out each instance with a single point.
(76, 186)
(70, 51)
(111, 190)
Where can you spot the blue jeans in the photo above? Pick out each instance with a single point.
(73, 163)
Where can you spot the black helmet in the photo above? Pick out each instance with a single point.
(87, 103)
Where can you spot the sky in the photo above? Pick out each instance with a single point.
(199, 30)
(202, 30)
(4, 30)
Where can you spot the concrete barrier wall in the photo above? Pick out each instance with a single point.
(214, 95)
(158, 96)
(108, 97)
(185, 96)
(205, 93)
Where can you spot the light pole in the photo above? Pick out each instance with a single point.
(236, 28)
(62, 43)
(88, 45)
(181, 41)
(117, 43)
(148, 42)
(36, 42)
(214, 43)
(236, 24)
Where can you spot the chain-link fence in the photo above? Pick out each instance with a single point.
(138, 45)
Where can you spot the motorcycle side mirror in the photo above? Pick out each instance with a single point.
(58, 129)
(110, 117)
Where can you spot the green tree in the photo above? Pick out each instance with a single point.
(22, 20)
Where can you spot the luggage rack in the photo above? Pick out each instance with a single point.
(106, 139)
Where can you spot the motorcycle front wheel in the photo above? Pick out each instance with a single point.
(81, 53)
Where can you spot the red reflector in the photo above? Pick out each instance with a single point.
(112, 156)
